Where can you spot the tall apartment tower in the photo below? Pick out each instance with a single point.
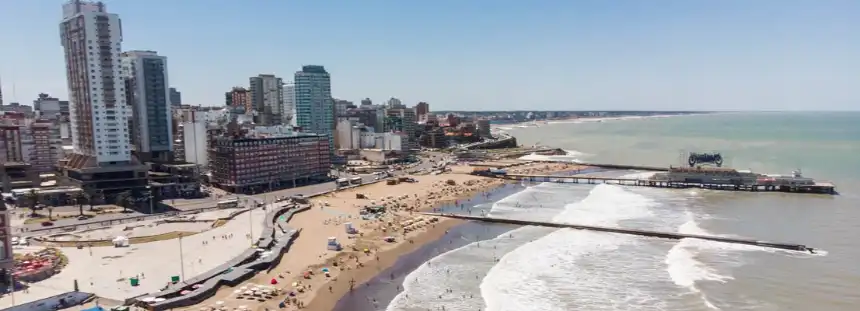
(267, 98)
(99, 114)
(314, 108)
(289, 104)
(148, 92)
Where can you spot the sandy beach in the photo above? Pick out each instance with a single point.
(366, 253)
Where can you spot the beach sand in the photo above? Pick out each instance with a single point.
(353, 266)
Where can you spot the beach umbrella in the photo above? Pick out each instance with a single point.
(324, 269)
(219, 303)
(273, 281)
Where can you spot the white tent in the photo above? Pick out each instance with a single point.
(120, 241)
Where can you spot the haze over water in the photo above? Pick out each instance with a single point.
(547, 269)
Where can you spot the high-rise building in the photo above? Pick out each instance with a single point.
(314, 108)
(175, 97)
(267, 98)
(289, 104)
(99, 114)
(403, 120)
(394, 103)
(239, 97)
(148, 93)
(421, 110)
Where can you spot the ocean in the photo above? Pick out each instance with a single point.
(528, 268)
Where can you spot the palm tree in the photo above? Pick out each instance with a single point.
(79, 200)
(33, 201)
(123, 199)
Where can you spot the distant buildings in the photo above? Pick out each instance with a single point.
(239, 98)
(267, 99)
(175, 97)
(394, 103)
(289, 104)
(50, 108)
(147, 91)
(314, 107)
(422, 109)
(403, 120)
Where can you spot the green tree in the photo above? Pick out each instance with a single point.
(32, 201)
(80, 197)
(124, 199)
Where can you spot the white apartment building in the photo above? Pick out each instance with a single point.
(91, 39)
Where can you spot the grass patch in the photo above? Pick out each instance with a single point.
(132, 240)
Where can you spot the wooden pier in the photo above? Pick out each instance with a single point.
(655, 234)
(823, 188)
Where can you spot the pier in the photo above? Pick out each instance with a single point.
(818, 187)
(654, 234)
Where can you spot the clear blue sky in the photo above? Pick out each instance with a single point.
(480, 54)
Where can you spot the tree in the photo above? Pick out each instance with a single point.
(79, 200)
(123, 199)
(32, 201)
(50, 213)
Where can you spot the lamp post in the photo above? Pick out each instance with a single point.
(151, 200)
(181, 259)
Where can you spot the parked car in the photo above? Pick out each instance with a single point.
(47, 224)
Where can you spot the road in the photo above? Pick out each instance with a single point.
(187, 206)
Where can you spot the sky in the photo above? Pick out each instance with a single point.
(479, 54)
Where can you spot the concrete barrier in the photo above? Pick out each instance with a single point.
(57, 302)
(233, 272)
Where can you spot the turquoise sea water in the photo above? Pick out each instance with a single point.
(824, 146)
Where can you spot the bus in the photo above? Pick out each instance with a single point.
(355, 180)
(342, 182)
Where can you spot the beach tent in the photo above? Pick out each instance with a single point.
(96, 308)
(120, 241)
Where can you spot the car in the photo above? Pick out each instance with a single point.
(47, 224)
(83, 217)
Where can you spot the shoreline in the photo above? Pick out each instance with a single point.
(381, 290)
(575, 120)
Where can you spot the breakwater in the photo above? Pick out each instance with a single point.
(648, 233)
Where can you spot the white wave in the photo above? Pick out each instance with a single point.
(569, 156)
(461, 270)
(543, 274)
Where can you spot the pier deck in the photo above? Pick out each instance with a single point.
(655, 234)
(819, 187)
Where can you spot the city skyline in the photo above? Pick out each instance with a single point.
(731, 55)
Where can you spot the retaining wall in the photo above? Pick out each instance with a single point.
(235, 271)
